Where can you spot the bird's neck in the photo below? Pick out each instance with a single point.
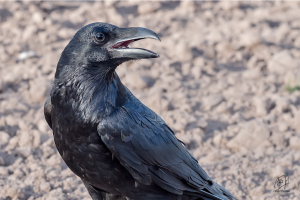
(91, 92)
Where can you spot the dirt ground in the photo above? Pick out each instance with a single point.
(227, 81)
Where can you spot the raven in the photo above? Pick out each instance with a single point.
(119, 147)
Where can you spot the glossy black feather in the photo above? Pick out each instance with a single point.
(147, 148)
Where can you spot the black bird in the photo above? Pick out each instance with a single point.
(117, 146)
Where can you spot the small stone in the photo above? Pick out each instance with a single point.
(282, 61)
(18, 173)
(282, 31)
(14, 193)
(283, 127)
(254, 73)
(217, 139)
(45, 187)
(109, 3)
(228, 5)
(48, 62)
(257, 191)
(222, 108)
(179, 126)
(10, 120)
(278, 139)
(212, 157)
(263, 105)
(187, 4)
(42, 126)
(295, 142)
(282, 105)
(251, 135)
(4, 138)
(286, 161)
(212, 101)
(202, 124)
(196, 72)
(24, 151)
(4, 171)
(23, 125)
(25, 139)
(225, 48)
(277, 171)
(296, 156)
(252, 62)
(25, 54)
(29, 32)
(249, 39)
(11, 79)
(39, 89)
(154, 100)
(54, 160)
(32, 197)
(270, 151)
(138, 81)
(37, 17)
(43, 37)
(66, 33)
(12, 142)
(186, 70)
(36, 138)
(148, 7)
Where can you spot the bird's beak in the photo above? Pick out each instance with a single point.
(125, 36)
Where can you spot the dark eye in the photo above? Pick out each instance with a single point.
(99, 37)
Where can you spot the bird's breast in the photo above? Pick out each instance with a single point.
(86, 155)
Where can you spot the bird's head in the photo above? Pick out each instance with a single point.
(102, 44)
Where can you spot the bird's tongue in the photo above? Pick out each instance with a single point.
(122, 44)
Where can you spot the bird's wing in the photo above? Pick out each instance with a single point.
(47, 111)
(148, 149)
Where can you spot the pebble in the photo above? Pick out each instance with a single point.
(46, 187)
(212, 101)
(283, 127)
(148, 7)
(263, 105)
(277, 171)
(278, 139)
(39, 90)
(282, 61)
(4, 171)
(4, 138)
(54, 160)
(251, 135)
(294, 142)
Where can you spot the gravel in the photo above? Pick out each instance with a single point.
(220, 83)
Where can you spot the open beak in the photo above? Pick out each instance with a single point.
(125, 36)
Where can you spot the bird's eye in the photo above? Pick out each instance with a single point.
(99, 37)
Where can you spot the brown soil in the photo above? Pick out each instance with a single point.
(220, 83)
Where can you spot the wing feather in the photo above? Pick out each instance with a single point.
(149, 150)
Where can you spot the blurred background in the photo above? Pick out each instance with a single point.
(227, 81)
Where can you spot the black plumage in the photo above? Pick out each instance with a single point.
(118, 147)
